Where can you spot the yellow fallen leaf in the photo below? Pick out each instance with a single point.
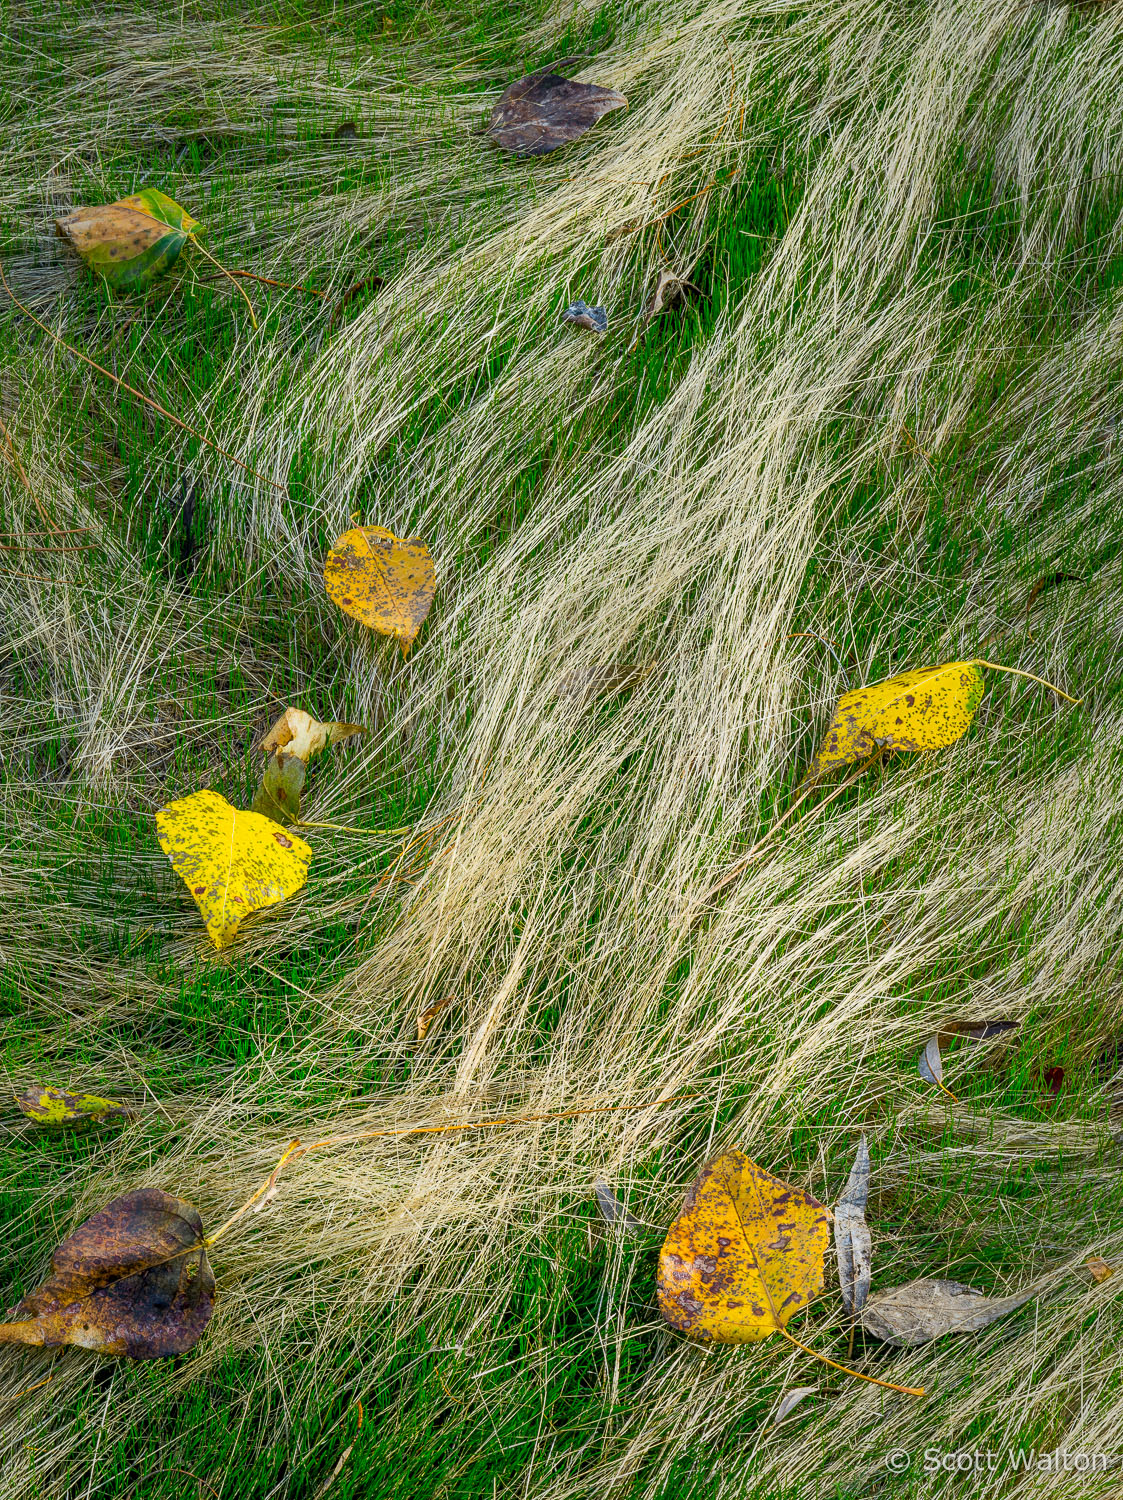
(1099, 1268)
(386, 583)
(923, 710)
(55, 1107)
(232, 862)
(298, 733)
(743, 1256)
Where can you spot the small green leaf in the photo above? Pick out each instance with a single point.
(278, 796)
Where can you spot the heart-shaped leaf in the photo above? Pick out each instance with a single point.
(744, 1255)
(132, 241)
(923, 710)
(132, 1280)
(928, 1308)
(56, 1108)
(233, 862)
(386, 583)
(543, 111)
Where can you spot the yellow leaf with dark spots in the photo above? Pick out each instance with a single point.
(744, 1255)
(386, 583)
(232, 862)
(923, 710)
(55, 1107)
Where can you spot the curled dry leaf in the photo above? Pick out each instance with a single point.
(744, 1255)
(595, 319)
(132, 241)
(928, 1308)
(298, 733)
(543, 111)
(1099, 1268)
(669, 288)
(282, 784)
(386, 583)
(232, 862)
(852, 1243)
(132, 1280)
(924, 710)
(790, 1400)
(429, 1015)
(612, 1211)
(930, 1065)
(56, 1108)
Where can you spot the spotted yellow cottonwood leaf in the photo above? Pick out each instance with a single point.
(55, 1107)
(744, 1255)
(386, 583)
(923, 710)
(232, 862)
(132, 241)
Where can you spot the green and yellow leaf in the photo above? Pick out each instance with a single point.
(132, 241)
(232, 862)
(298, 733)
(386, 583)
(56, 1108)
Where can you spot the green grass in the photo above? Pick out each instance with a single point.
(99, 986)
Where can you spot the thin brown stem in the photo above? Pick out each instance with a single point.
(132, 390)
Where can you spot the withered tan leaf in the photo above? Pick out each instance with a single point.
(543, 111)
(928, 1308)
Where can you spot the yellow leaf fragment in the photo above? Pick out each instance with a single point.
(298, 733)
(744, 1255)
(382, 581)
(1099, 1267)
(232, 862)
(923, 710)
(55, 1107)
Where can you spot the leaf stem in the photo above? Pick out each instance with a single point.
(907, 1390)
(996, 666)
(229, 276)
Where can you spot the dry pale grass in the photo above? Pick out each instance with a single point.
(568, 907)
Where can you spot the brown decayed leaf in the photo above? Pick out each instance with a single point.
(852, 1243)
(429, 1015)
(1099, 1267)
(298, 733)
(386, 583)
(282, 782)
(928, 1308)
(543, 111)
(744, 1255)
(132, 1280)
(669, 288)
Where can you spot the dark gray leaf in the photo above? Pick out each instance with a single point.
(852, 1243)
(543, 111)
(931, 1063)
(928, 1308)
(595, 319)
(613, 1211)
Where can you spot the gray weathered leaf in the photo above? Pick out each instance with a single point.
(791, 1399)
(852, 1242)
(595, 319)
(543, 111)
(931, 1063)
(928, 1308)
(613, 1211)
